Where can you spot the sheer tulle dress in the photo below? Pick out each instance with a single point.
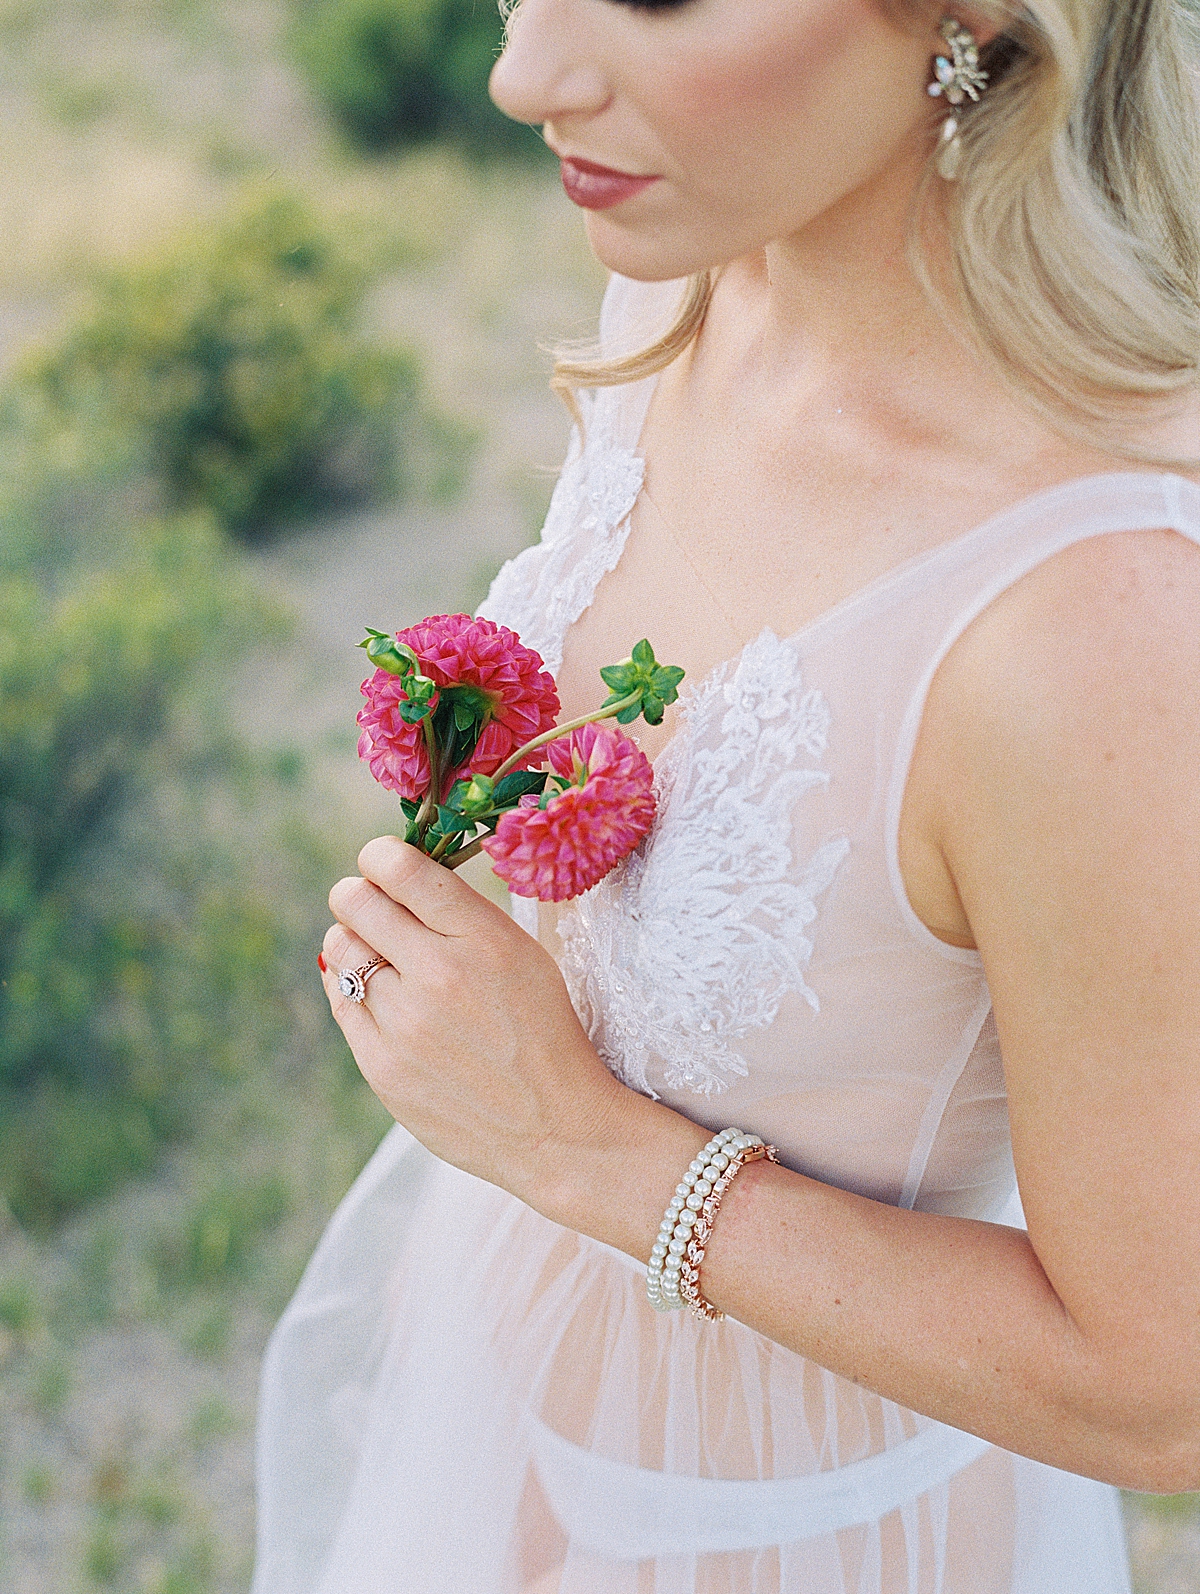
(464, 1398)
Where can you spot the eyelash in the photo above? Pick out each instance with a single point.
(652, 5)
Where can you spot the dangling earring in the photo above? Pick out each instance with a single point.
(958, 78)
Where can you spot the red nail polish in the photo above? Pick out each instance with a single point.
(321, 963)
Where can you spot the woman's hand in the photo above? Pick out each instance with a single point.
(469, 1038)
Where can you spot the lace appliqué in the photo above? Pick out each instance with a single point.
(543, 591)
(696, 939)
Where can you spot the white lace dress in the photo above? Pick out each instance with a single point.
(464, 1398)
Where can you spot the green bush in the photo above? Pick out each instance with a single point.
(89, 671)
(235, 367)
(160, 891)
(220, 1236)
(128, 942)
(395, 72)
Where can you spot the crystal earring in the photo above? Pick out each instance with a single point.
(957, 77)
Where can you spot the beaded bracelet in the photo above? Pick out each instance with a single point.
(673, 1273)
(689, 1273)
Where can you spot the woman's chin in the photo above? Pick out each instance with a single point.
(643, 254)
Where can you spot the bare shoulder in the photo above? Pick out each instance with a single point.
(1061, 736)
(1067, 726)
(1108, 627)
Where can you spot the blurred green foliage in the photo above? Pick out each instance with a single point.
(151, 906)
(395, 72)
(221, 1233)
(236, 366)
(115, 957)
(158, 880)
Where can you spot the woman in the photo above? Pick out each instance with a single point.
(905, 487)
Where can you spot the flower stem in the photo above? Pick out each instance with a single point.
(440, 850)
(514, 759)
(462, 855)
(430, 801)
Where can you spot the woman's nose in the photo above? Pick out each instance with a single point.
(548, 70)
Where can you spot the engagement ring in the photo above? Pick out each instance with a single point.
(353, 982)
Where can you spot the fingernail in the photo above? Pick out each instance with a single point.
(321, 963)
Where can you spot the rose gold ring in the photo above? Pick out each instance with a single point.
(353, 982)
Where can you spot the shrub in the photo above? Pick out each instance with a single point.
(89, 672)
(394, 72)
(235, 366)
(148, 952)
(117, 921)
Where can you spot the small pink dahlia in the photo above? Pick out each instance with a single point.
(456, 650)
(564, 849)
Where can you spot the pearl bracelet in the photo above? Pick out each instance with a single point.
(673, 1272)
(689, 1273)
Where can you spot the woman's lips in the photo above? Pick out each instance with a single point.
(599, 187)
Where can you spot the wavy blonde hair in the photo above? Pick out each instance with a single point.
(1073, 224)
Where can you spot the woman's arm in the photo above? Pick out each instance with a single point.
(1066, 723)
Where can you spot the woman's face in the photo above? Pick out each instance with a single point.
(753, 117)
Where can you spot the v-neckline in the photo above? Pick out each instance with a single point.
(838, 612)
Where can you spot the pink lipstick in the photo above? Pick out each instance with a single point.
(599, 187)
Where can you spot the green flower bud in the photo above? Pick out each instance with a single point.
(422, 698)
(640, 676)
(479, 795)
(385, 653)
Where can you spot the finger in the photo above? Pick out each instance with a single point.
(345, 951)
(370, 916)
(433, 894)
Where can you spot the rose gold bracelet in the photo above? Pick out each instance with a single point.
(689, 1273)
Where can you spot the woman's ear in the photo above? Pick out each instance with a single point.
(984, 27)
(928, 18)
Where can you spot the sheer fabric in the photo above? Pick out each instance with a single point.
(464, 1396)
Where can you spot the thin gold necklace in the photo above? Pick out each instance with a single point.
(734, 630)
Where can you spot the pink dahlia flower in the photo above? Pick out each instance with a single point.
(456, 650)
(564, 849)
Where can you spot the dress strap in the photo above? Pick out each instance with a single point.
(541, 593)
(980, 567)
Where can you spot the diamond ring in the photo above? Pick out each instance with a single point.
(353, 982)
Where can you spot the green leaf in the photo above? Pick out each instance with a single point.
(666, 681)
(654, 684)
(385, 655)
(464, 715)
(515, 786)
(451, 823)
(620, 677)
(409, 808)
(410, 833)
(461, 746)
(421, 696)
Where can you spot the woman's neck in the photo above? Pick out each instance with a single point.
(834, 316)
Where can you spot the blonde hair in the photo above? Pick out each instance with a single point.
(1073, 224)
